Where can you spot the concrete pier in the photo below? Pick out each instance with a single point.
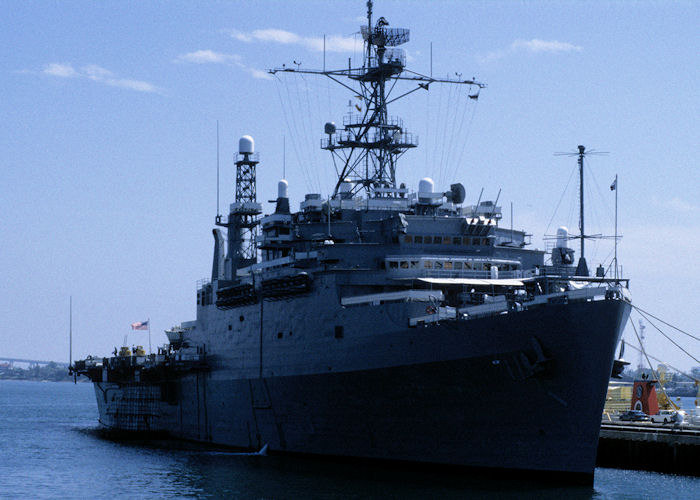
(646, 446)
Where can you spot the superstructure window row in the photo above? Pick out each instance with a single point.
(446, 240)
(448, 265)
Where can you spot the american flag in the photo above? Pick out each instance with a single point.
(141, 325)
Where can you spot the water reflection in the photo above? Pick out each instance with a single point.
(201, 473)
(50, 448)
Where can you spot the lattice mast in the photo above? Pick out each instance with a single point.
(248, 210)
(378, 139)
(366, 149)
(244, 212)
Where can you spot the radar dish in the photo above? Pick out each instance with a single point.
(386, 37)
(458, 193)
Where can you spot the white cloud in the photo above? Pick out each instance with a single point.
(208, 57)
(274, 35)
(337, 43)
(675, 205)
(125, 83)
(534, 46)
(551, 46)
(61, 70)
(211, 57)
(241, 37)
(260, 74)
(97, 74)
(334, 43)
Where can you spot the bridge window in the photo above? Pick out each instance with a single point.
(448, 265)
(419, 239)
(458, 265)
(427, 240)
(408, 238)
(457, 240)
(446, 240)
(393, 264)
(427, 264)
(404, 264)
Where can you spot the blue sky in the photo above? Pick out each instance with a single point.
(108, 142)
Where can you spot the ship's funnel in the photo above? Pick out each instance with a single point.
(217, 267)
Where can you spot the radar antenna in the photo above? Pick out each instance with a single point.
(582, 267)
(642, 326)
(367, 147)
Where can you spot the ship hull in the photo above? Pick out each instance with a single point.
(519, 391)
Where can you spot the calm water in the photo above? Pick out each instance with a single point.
(49, 449)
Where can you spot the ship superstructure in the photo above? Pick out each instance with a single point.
(380, 323)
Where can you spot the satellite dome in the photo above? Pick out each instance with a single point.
(562, 237)
(426, 185)
(246, 144)
(282, 187)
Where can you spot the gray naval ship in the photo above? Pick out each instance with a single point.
(378, 323)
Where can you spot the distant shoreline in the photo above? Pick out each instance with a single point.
(80, 380)
(51, 372)
(61, 375)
